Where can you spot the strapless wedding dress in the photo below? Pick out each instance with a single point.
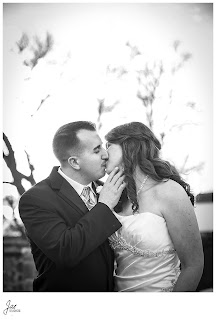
(146, 260)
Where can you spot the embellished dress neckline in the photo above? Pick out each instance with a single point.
(146, 259)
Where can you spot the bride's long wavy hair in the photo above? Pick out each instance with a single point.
(141, 148)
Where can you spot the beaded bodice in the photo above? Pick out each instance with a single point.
(145, 256)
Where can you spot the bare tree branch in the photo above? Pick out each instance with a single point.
(180, 126)
(23, 43)
(149, 80)
(11, 163)
(41, 103)
(102, 109)
(119, 71)
(40, 50)
(12, 183)
(134, 50)
(196, 168)
(183, 58)
(184, 163)
(176, 45)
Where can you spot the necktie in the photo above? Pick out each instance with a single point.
(89, 202)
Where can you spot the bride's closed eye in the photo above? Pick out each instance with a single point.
(107, 145)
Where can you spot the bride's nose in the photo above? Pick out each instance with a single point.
(105, 155)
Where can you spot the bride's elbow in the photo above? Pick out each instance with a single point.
(193, 261)
(199, 262)
(195, 268)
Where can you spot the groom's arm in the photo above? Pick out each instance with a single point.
(65, 245)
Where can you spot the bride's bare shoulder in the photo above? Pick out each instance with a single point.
(171, 189)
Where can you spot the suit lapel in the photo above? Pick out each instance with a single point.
(66, 191)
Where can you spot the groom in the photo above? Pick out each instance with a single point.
(66, 226)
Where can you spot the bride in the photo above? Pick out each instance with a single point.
(158, 247)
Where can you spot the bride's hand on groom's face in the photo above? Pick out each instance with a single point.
(112, 188)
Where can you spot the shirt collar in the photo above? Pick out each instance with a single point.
(76, 185)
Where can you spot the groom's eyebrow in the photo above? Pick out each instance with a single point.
(97, 147)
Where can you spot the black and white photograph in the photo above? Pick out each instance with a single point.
(107, 158)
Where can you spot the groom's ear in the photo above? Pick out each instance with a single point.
(74, 162)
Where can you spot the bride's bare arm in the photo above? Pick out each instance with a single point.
(184, 232)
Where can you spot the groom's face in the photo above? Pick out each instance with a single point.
(115, 157)
(92, 159)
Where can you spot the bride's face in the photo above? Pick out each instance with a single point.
(115, 157)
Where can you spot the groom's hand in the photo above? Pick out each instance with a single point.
(112, 188)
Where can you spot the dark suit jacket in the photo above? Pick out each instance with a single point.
(69, 243)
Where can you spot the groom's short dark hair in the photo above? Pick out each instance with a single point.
(66, 138)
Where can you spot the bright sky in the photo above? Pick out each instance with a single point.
(88, 38)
